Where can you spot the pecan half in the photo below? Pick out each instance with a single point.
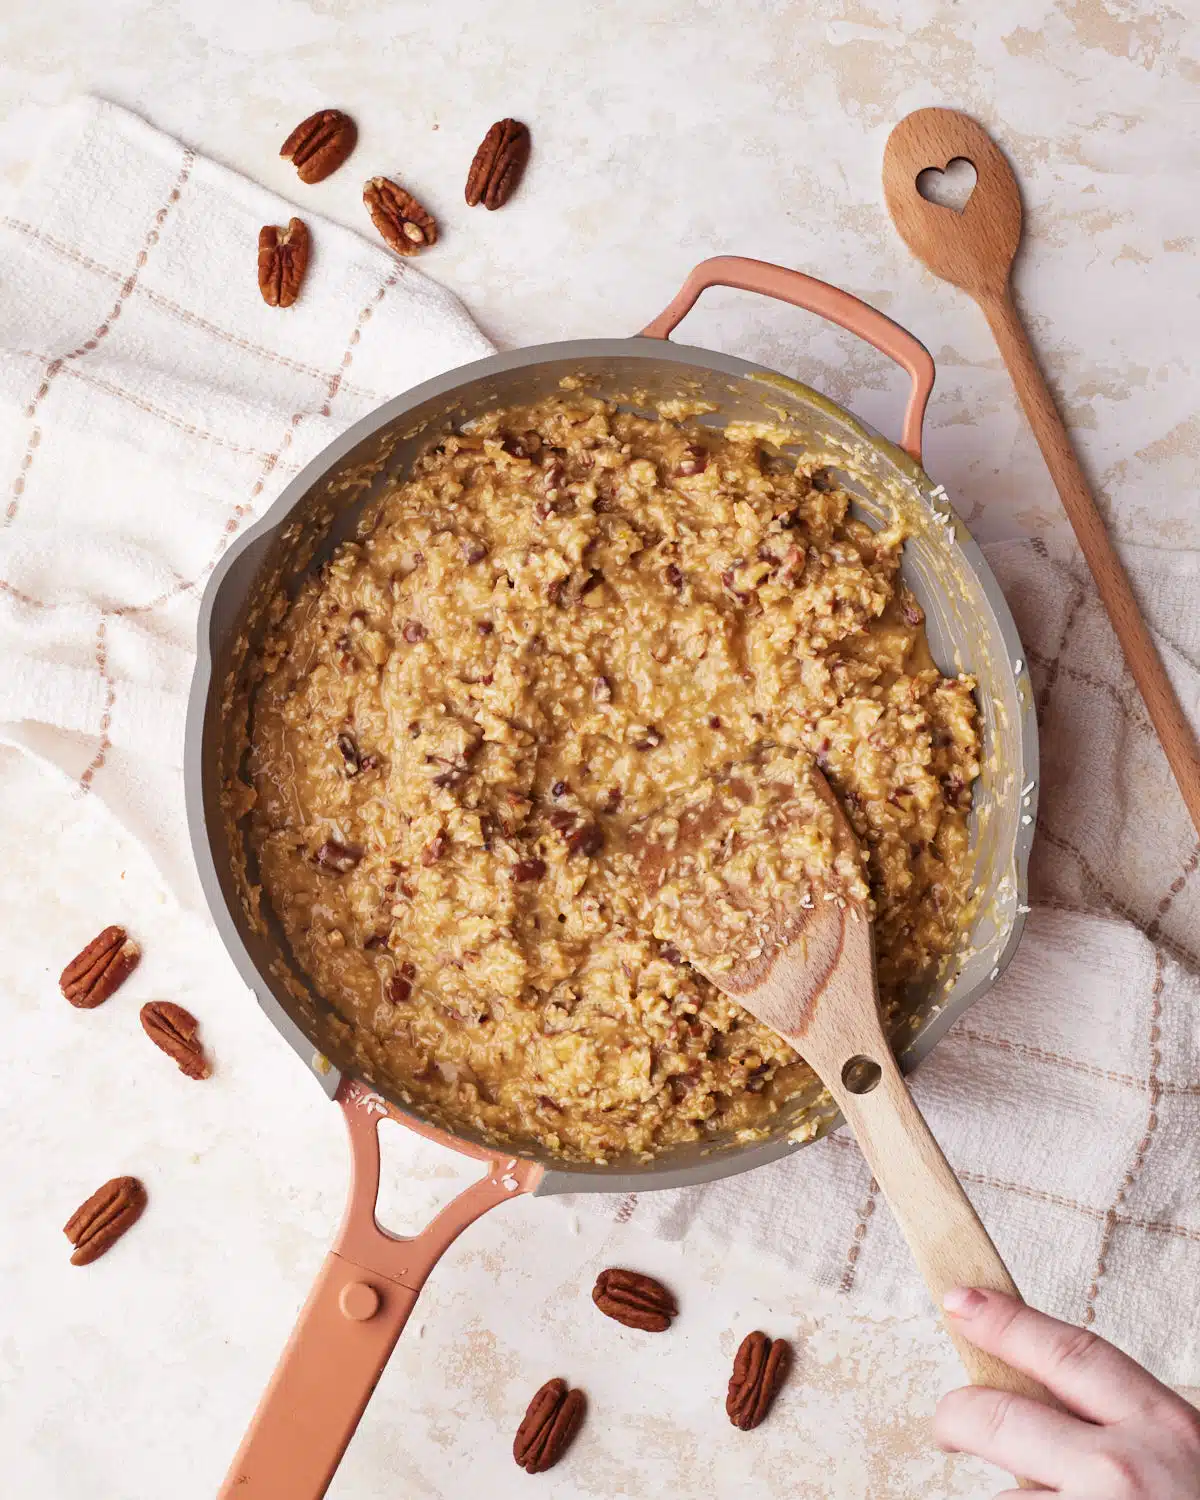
(400, 219)
(528, 869)
(551, 1420)
(340, 858)
(498, 164)
(103, 966)
(319, 145)
(759, 1369)
(282, 262)
(633, 1299)
(98, 1224)
(177, 1032)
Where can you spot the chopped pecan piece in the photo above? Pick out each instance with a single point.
(602, 690)
(98, 1224)
(910, 610)
(177, 1032)
(694, 461)
(498, 164)
(473, 549)
(650, 739)
(528, 869)
(413, 632)
(340, 858)
(400, 219)
(400, 985)
(559, 789)
(350, 754)
(103, 966)
(674, 575)
(435, 848)
(554, 473)
(759, 1369)
(523, 445)
(633, 1299)
(319, 145)
(282, 262)
(551, 1420)
(612, 800)
(587, 839)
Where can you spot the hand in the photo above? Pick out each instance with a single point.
(1124, 1435)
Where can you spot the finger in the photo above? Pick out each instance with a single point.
(1021, 1435)
(1083, 1371)
(1024, 1494)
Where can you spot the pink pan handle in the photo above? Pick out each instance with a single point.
(349, 1326)
(818, 297)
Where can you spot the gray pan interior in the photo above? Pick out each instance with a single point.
(969, 626)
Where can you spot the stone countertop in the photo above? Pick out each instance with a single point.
(664, 132)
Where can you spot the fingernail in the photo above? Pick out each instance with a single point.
(963, 1301)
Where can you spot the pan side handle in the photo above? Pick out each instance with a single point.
(829, 302)
(347, 1329)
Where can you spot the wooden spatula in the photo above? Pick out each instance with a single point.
(974, 249)
(757, 878)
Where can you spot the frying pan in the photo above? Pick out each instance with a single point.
(370, 1280)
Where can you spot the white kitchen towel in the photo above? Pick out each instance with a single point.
(151, 405)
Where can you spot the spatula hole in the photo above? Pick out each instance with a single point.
(861, 1074)
(950, 188)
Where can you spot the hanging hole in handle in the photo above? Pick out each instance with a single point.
(417, 1179)
(861, 1074)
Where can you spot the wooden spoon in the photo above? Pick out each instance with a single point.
(974, 249)
(757, 878)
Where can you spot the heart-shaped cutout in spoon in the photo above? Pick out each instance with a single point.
(950, 186)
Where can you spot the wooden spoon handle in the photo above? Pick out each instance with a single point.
(946, 1236)
(1112, 582)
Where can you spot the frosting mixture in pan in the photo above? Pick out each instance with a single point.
(561, 619)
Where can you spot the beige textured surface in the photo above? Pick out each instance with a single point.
(664, 135)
